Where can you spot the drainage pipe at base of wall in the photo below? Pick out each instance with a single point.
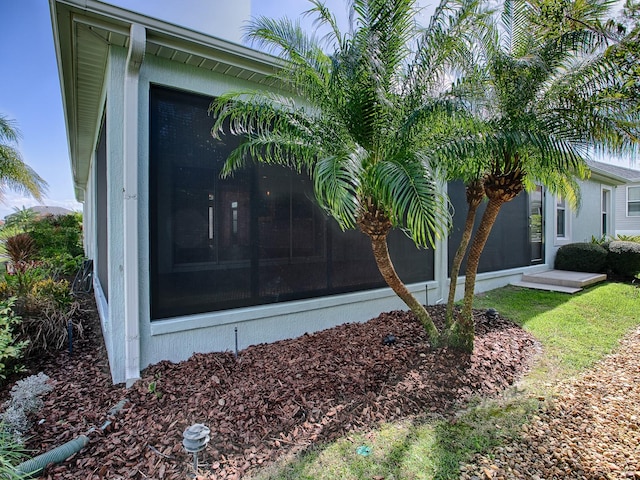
(34, 467)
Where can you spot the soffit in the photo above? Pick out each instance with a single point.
(84, 30)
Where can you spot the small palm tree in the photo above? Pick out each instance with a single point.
(14, 173)
(544, 98)
(358, 120)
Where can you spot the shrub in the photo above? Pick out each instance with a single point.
(46, 312)
(10, 350)
(21, 282)
(63, 264)
(624, 258)
(58, 236)
(581, 257)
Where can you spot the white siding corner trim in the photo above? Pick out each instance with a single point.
(135, 56)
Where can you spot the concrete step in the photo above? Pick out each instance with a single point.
(546, 286)
(565, 278)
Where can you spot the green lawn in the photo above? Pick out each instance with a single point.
(575, 331)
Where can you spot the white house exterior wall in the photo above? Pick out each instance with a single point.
(176, 339)
(625, 225)
(587, 221)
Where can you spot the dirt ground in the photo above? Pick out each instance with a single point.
(271, 401)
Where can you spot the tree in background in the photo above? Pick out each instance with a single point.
(545, 95)
(21, 218)
(14, 173)
(360, 120)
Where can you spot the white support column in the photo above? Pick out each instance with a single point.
(135, 56)
(441, 263)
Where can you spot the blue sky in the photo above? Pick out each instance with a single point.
(30, 89)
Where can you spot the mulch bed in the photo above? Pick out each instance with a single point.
(271, 401)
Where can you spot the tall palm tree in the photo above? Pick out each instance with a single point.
(544, 99)
(356, 119)
(14, 173)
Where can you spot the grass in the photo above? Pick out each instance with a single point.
(575, 331)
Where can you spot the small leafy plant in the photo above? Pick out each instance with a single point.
(10, 350)
(11, 454)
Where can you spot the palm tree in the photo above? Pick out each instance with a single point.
(21, 218)
(544, 98)
(357, 120)
(14, 173)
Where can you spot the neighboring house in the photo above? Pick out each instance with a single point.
(595, 217)
(42, 211)
(626, 198)
(187, 262)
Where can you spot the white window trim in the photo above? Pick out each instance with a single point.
(609, 211)
(567, 223)
(626, 203)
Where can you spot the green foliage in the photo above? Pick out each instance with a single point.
(624, 258)
(21, 282)
(581, 257)
(63, 264)
(628, 238)
(10, 349)
(45, 303)
(21, 218)
(14, 173)
(46, 312)
(58, 236)
(12, 453)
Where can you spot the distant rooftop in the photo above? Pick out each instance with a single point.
(627, 174)
(44, 210)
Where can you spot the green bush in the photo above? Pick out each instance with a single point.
(624, 258)
(10, 350)
(63, 264)
(581, 257)
(54, 236)
(20, 283)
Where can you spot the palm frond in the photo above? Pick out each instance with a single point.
(409, 191)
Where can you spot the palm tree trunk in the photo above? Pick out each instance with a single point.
(479, 241)
(475, 194)
(383, 260)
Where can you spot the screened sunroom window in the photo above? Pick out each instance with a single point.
(254, 238)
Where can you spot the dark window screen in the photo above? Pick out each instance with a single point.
(255, 238)
(507, 245)
(102, 211)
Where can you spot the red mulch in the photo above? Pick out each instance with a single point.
(271, 401)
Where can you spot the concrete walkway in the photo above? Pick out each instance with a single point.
(560, 280)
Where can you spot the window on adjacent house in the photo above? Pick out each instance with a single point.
(606, 208)
(633, 201)
(561, 218)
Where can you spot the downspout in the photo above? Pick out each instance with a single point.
(135, 56)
